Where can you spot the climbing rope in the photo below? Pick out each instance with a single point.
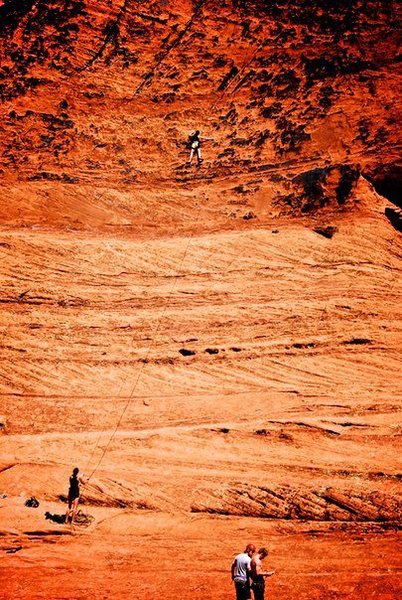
(233, 82)
(150, 347)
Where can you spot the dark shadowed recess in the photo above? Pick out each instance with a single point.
(322, 15)
(11, 13)
(388, 183)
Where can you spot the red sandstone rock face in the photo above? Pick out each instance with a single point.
(218, 346)
(104, 95)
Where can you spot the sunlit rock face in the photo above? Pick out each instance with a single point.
(106, 93)
(219, 344)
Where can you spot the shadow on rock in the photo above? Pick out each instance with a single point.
(394, 216)
(55, 518)
(80, 518)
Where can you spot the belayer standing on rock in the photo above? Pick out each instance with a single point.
(74, 495)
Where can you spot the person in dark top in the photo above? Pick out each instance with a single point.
(74, 495)
(194, 143)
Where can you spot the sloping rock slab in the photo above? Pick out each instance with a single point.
(325, 504)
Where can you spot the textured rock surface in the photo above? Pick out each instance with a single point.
(98, 99)
(218, 347)
(327, 504)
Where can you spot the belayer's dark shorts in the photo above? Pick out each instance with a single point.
(242, 590)
(71, 498)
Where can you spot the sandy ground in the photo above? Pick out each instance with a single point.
(146, 555)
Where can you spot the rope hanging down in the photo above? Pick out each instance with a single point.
(125, 408)
(246, 63)
(150, 347)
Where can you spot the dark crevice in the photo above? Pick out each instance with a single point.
(388, 183)
(394, 216)
(390, 188)
(7, 468)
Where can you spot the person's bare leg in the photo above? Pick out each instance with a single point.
(75, 509)
(191, 156)
(199, 155)
(68, 513)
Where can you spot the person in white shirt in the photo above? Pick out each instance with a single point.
(240, 572)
